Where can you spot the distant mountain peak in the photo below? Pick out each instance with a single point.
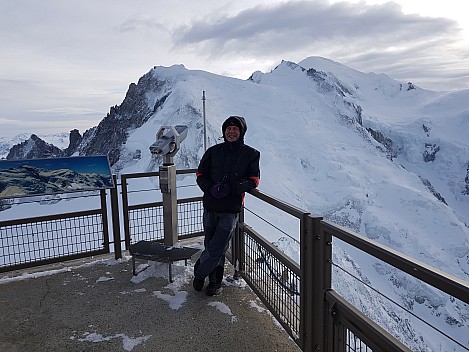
(33, 148)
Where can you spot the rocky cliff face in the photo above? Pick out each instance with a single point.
(75, 140)
(430, 152)
(466, 180)
(36, 148)
(391, 150)
(33, 148)
(112, 132)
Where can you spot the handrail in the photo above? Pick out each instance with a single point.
(432, 276)
(156, 173)
(289, 263)
(282, 205)
(42, 218)
(377, 337)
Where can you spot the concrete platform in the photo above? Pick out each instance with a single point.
(98, 305)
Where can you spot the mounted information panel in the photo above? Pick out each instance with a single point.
(35, 177)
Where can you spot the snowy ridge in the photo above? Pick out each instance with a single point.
(60, 140)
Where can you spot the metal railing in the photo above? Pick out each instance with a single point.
(316, 316)
(343, 314)
(274, 277)
(144, 221)
(299, 295)
(29, 242)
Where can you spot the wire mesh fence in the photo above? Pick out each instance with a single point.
(35, 241)
(146, 221)
(190, 217)
(266, 270)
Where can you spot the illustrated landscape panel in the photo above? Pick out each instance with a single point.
(34, 177)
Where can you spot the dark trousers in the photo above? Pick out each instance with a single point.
(218, 229)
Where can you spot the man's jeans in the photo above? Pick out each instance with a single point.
(218, 228)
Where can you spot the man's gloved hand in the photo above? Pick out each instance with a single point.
(220, 190)
(242, 186)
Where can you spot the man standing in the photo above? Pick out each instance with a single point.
(225, 173)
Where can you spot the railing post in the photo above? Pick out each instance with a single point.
(238, 245)
(315, 277)
(306, 283)
(105, 220)
(125, 211)
(325, 246)
(115, 220)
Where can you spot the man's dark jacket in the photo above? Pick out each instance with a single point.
(233, 163)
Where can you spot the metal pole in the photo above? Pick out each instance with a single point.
(321, 256)
(306, 283)
(125, 211)
(168, 190)
(205, 121)
(105, 220)
(115, 220)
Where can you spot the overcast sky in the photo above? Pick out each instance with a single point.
(64, 63)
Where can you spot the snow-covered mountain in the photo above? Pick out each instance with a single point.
(59, 140)
(384, 158)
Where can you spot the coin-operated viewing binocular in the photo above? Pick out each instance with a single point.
(168, 140)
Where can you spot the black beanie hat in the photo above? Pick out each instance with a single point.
(237, 121)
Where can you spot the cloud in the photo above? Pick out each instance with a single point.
(66, 110)
(300, 25)
(40, 107)
(141, 23)
(377, 38)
